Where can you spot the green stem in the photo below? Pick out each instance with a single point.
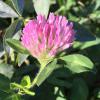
(37, 76)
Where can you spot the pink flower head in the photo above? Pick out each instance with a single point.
(45, 38)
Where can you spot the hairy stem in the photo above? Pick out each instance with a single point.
(37, 76)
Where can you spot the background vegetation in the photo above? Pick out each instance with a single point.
(79, 79)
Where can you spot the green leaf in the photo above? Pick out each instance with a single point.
(13, 28)
(17, 46)
(70, 3)
(79, 90)
(42, 6)
(61, 2)
(6, 11)
(52, 2)
(3, 95)
(95, 15)
(58, 82)
(13, 97)
(60, 95)
(78, 63)
(22, 58)
(42, 75)
(50, 92)
(46, 72)
(98, 95)
(11, 31)
(59, 77)
(97, 4)
(4, 83)
(17, 35)
(60, 98)
(18, 5)
(9, 96)
(26, 82)
(84, 45)
(7, 70)
(29, 6)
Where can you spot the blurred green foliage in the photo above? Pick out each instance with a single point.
(74, 76)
